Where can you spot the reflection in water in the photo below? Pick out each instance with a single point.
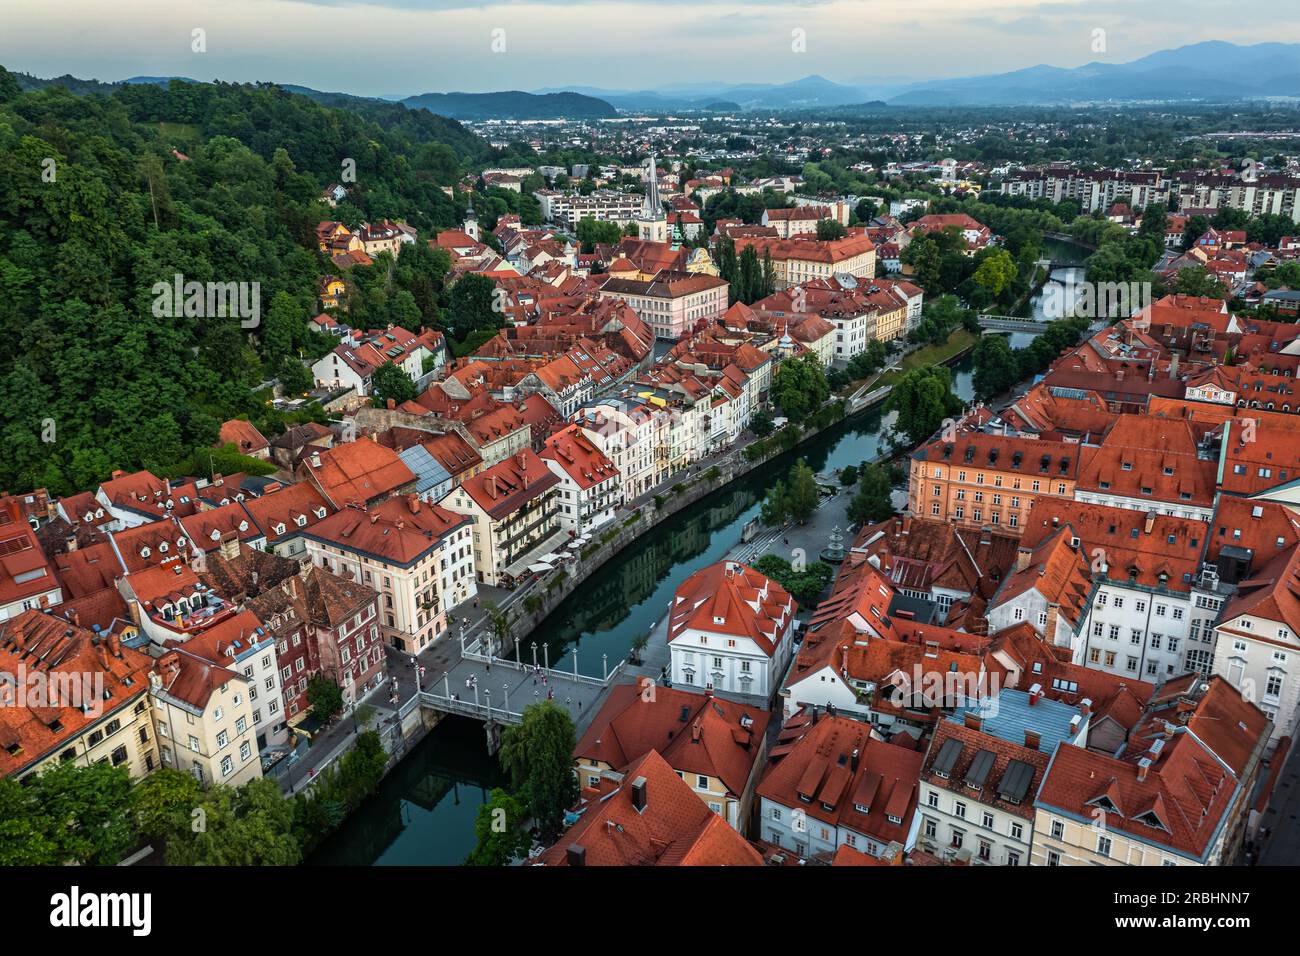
(424, 811)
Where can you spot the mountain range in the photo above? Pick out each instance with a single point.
(1214, 71)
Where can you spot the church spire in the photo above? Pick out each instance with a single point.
(654, 208)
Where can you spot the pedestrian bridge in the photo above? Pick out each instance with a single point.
(1011, 323)
(497, 691)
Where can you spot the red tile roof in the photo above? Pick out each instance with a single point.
(730, 598)
(695, 733)
(674, 828)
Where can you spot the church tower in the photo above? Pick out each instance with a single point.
(471, 224)
(652, 224)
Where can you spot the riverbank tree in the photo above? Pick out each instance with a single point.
(538, 755)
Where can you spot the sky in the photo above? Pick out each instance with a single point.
(403, 47)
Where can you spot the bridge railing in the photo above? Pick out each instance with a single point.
(469, 708)
(550, 672)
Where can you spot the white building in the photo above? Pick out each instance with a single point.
(730, 629)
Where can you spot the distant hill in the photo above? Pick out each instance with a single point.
(1213, 70)
(513, 104)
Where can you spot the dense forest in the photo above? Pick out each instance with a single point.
(105, 194)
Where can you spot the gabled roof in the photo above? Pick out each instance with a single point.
(730, 598)
(673, 828)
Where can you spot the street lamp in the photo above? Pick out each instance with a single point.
(534, 653)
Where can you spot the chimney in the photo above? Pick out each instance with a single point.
(71, 542)
(1035, 692)
(1053, 618)
(390, 404)
(230, 546)
(974, 721)
(1085, 706)
(695, 731)
(1150, 522)
(1022, 558)
(853, 761)
(639, 794)
(1075, 723)
(575, 855)
(1143, 766)
(413, 502)
(315, 459)
(1031, 739)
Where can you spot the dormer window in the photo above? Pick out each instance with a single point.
(215, 535)
(279, 528)
(145, 552)
(320, 513)
(162, 547)
(243, 526)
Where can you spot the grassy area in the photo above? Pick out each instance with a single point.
(958, 341)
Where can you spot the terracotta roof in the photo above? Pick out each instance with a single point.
(357, 472)
(243, 435)
(1178, 777)
(694, 733)
(730, 598)
(67, 657)
(835, 762)
(400, 530)
(510, 484)
(672, 828)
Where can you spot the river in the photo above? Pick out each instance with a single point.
(423, 812)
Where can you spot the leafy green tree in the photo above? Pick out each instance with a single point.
(802, 495)
(499, 827)
(538, 755)
(871, 503)
(828, 229)
(163, 803)
(89, 810)
(590, 232)
(295, 378)
(774, 509)
(391, 383)
(923, 398)
(26, 837)
(799, 386)
(324, 697)
(469, 306)
(996, 369)
(250, 826)
(760, 423)
(996, 272)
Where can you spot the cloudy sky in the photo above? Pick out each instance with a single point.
(385, 47)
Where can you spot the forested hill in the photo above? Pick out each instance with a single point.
(102, 196)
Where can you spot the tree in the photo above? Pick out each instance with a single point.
(295, 378)
(26, 837)
(324, 697)
(922, 398)
(163, 801)
(501, 622)
(591, 231)
(799, 386)
(802, 495)
(760, 423)
(250, 826)
(469, 306)
(89, 810)
(773, 511)
(390, 383)
(996, 369)
(502, 838)
(538, 755)
(828, 229)
(996, 272)
(1155, 221)
(872, 501)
